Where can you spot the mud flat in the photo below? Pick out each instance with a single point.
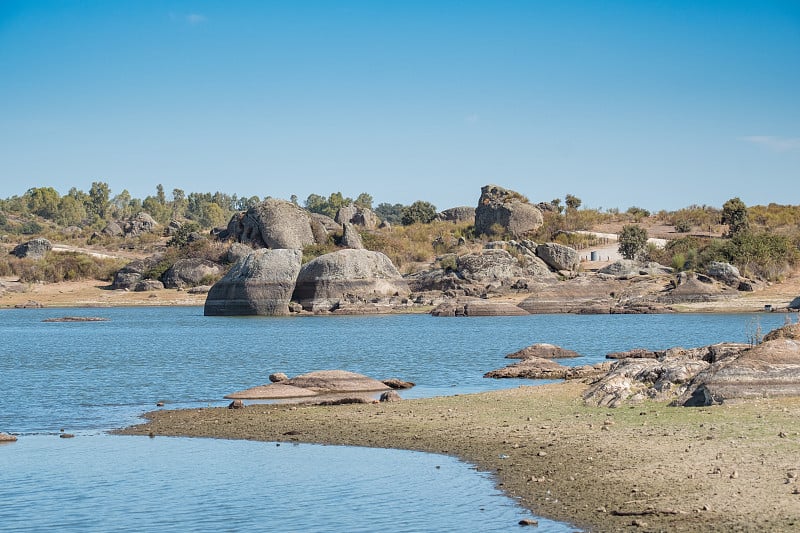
(732, 467)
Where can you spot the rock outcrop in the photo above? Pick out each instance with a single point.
(316, 383)
(346, 278)
(273, 223)
(33, 249)
(628, 268)
(706, 375)
(508, 209)
(543, 350)
(540, 368)
(476, 307)
(259, 284)
(186, 273)
(457, 214)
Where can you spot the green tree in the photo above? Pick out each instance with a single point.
(178, 203)
(734, 214)
(98, 200)
(71, 211)
(573, 202)
(364, 200)
(420, 211)
(632, 241)
(393, 214)
(160, 196)
(43, 201)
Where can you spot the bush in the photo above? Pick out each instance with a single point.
(419, 212)
(632, 241)
(683, 226)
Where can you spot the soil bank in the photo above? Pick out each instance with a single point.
(648, 467)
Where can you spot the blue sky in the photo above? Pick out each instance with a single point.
(621, 103)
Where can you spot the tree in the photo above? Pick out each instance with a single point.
(393, 214)
(734, 214)
(573, 202)
(160, 196)
(632, 241)
(364, 200)
(420, 211)
(43, 201)
(98, 200)
(71, 211)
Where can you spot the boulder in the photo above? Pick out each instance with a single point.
(558, 257)
(636, 353)
(273, 223)
(33, 249)
(390, 396)
(628, 268)
(5, 437)
(113, 229)
(336, 381)
(348, 276)
(261, 283)
(395, 383)
(724, 272)
(769, 369)
(147, 285)
(508, 209)
(457, 214)
(544, 351)
(139, 224)
(278, 377)
(128, 276)
(351, 238)
(272, 391)
(499, 265)
(236, 404)
(329, 224)
(237, 251)
(191, 272)
(360, 216)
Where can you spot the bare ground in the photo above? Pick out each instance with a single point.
(647, 468)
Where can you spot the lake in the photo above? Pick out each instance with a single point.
(89, 377)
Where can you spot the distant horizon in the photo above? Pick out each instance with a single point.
(653, 105)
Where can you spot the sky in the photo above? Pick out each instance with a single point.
(654, 104)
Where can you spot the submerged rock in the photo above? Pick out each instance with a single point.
(540, 368)
(313, 384)
(543, 350)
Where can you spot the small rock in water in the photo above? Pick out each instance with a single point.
(67, 436)
(529, 522)
(160, 404)
(5, 437)
(277, 377)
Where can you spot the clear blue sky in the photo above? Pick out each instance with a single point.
(621, 103)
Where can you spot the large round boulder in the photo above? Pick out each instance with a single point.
(191, 273)
(128, 276)
(360, 216)
(347, 276)
(508, 209)
(261, 283)
(273, 223)
(558, 256)
(33, 249)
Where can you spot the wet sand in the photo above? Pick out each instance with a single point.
(646, 468)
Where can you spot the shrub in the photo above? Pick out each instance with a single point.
(419, 212)
(632, 241)
(683, 226)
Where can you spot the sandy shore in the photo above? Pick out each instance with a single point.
(648, 468)
(89, 293)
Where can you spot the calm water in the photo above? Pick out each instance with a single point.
(90, 377)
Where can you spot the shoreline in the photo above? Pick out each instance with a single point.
(95, 293)
(643, 467)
